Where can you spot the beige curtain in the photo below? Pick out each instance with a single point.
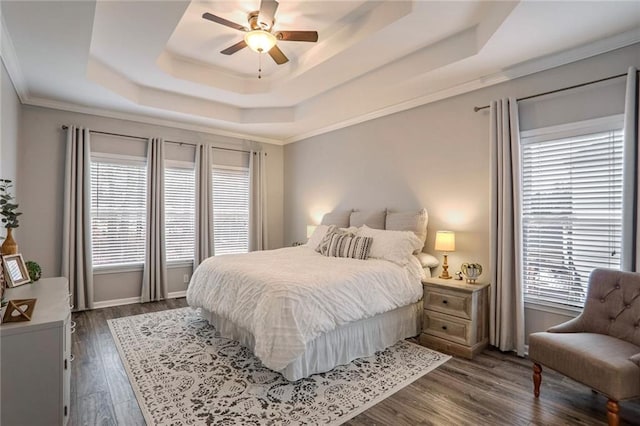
(154, 277)
(204, 210)
(631, 170)
(258, 239)
(507, 301)
(77, 265)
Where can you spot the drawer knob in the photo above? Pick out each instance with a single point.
(445, 301)
(444, 327)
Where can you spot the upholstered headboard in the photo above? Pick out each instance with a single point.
(415, 220)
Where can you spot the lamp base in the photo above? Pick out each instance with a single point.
(445, 270)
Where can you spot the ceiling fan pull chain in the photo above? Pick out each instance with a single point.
(260, 64)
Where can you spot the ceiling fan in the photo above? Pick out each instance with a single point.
(260, 36)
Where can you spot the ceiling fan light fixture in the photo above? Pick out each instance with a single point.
(260, 40)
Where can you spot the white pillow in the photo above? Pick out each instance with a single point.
(317, 236)
(394, 246)
(427, 260)
(415, 221)
(350, 230)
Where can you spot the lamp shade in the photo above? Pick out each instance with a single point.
(310, 230)
(260, 41)
(445, 241)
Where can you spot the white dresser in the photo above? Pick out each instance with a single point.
(35, 357)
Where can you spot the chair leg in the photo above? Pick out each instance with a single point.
(537, 378)
(612, 412)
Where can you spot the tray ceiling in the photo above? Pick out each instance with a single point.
(158, 60)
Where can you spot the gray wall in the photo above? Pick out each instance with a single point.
(41, 176)
(437, 156)
(10, 111)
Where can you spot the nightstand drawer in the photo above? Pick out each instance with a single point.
(446, 327)
(448, 302)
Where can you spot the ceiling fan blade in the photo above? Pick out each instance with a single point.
(233, 49)
(278, 56)
(267, 14)
(224, 22)
(311, 36)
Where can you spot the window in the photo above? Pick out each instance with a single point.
(230, 187)
(180, 211)
(118, 210)
(571, 208)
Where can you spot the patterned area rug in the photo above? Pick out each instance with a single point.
(184, 373)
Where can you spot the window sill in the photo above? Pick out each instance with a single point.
(568, 311)
(138, 267)
(117, 269)
(180, 264)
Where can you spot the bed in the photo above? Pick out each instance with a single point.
(303, 313)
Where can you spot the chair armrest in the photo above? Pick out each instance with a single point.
(635, 358)
(571, 326)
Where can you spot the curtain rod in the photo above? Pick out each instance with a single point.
(65, 127)
(214, 147)
(477, 108)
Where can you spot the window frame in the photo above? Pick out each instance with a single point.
(125, 160)
(177, 164)
(561, 131)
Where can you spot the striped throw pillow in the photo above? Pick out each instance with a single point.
(346, 245)
(324, 243)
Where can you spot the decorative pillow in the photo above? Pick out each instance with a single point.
(373, 218)
(352, 230)
(348, 245)
(317, 236)
(337, 218)
(326, 239)
(394, 246)
(427, 260)
(414, 221)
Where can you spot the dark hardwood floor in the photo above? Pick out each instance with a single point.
(493, 389)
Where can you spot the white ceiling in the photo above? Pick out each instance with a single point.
(159, 61)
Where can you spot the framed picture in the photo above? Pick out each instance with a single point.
(15, 271)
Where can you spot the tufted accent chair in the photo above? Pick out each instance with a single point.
(601, 347)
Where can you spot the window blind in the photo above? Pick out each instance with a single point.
(180, 213)
(571, 213)
(230, 198)
(118, 211)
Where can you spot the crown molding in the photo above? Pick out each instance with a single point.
(66, 106)
(10, 61)
(521, 70)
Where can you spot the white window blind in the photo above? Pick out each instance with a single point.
(571, 212)
(118, 211)
(180, 212)
(230, 198)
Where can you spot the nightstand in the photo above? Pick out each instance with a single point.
(455, 317)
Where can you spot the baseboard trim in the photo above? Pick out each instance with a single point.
(131, 300)
(116, 302)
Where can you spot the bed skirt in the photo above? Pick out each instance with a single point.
(341, 346)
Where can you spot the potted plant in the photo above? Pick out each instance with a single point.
(34, 270)
(9, 213)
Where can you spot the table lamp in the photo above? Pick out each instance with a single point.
(310, 229)
(445, 242)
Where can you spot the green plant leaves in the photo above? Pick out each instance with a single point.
(7, 205)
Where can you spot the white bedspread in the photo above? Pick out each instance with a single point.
(288, 297)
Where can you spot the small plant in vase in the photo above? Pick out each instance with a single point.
(9, 213)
